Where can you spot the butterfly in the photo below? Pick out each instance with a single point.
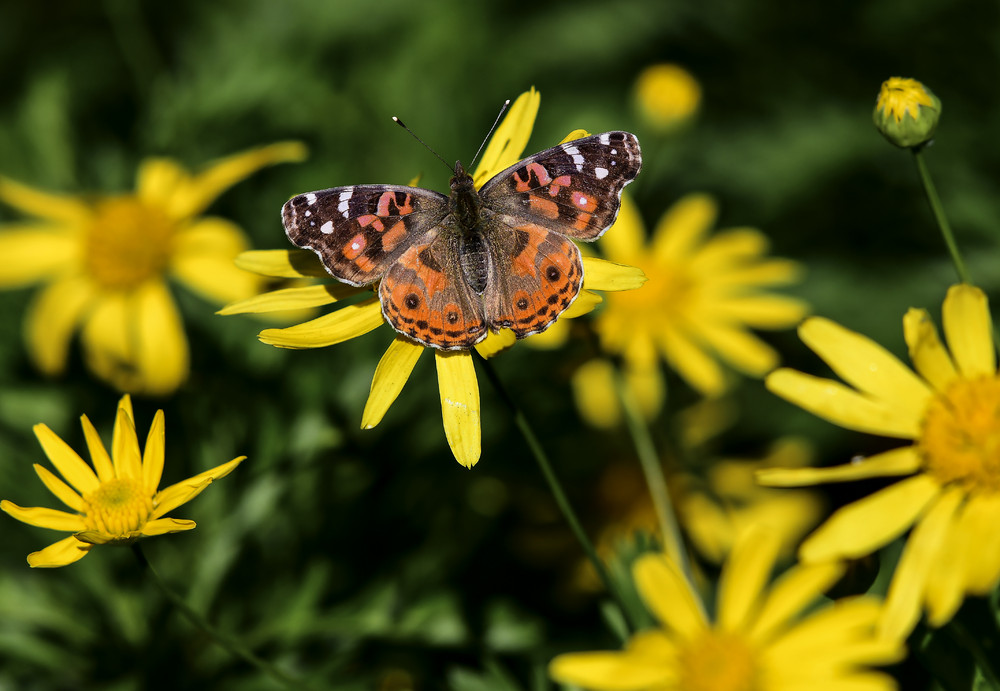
(452, 268)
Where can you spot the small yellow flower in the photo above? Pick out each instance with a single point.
(457, 383)
(666, 95)
(756, 642)
(701, 296)
(906, 112)
(949, 409)
(116, 501)
(105, 261)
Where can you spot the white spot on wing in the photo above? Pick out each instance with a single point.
(605, 138)
(310, 199)
(577, 157)
(308, 213)
(601, 173)
(345, 197)
(326, 228)
(614, 152)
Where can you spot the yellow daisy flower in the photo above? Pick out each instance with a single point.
(459, 388)
(116, 501)
(701, 296)
(666, 95)
(949, 409)
(755, 642)
(105, 261)
(906, 112)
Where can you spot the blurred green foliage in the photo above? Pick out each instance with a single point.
(371, 559)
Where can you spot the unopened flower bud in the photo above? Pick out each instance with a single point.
(906, 112)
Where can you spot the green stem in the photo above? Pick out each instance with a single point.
(554, 485)
(938, 210)
(655, 480)
(229, 643)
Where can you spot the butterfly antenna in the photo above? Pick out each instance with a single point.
(400, 123)
(506, 105)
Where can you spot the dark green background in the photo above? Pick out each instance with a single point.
(344, 555)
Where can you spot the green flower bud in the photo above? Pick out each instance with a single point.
(906, 112)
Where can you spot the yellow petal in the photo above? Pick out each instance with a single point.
(162, 526)
(574, 135)
(738, 347)
(184, 491)
(744, 577)
(584, 303)
(614, 671)
(690, 361)
(594, 391)
(125, 448)
(867, 366)
(901, 461)
(668, 595)
(59, 488)
(69, 464)
(305, 297)
(682, 228)
(158, 181)
(42, 517)
(345, 323)
(625, 240)
(842, 405)
(969, 330)
(772, 272)
(163, 349)
(390, 375)
(459, 391)
(61, 553)
(926, 351)
(152, 455)
(53, 317)
(511, 136)
(202, 189)
(98, 454)
(980, 521)
(33, 254)
(35, 202)
(948, 571)
(282, 263)
(792, 593)
(497, 342)
(644, 382)
(906, 592)
(600, 274)
(730, 248)
(862, 527)
(203, 260)
(757, 311)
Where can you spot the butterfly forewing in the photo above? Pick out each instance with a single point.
(360, 231)
(573, 189)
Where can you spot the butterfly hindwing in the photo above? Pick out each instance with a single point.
(425, 296)
(536, 275)
(573, 189)
(360, 231)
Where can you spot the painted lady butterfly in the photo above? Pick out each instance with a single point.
(497, 258)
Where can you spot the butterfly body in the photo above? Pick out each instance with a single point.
(453, 268)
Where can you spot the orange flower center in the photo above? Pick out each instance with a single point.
(961, 434)
(718, 661)
(118, 507)
(127, 243)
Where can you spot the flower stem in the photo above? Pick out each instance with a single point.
(655, 480)
(229, 643)
(971, 643)
(554, 485)
(938, 210)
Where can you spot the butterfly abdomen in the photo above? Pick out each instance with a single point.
(475, 262)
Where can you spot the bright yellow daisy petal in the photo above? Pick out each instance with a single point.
(44, 518)
(34, 202)
(682, 227)
(624, 241)
(62, 553)
(926, 351)
(969, 330)
(599, 274)
(982, 564)
(346, 323)
(163, 351)
(282, 263)
(153, 454)
(612, 672)
(862, 527)
(390, 375)
(792, 593)
(69, 464)
(459, 404)
(54, 315)
(203, 260)
(667, 594)
(292, 299)
(59, 488)
(737, 346)
(162, 526)
(125, 452)
(594, 391)
(511, 136)
(34, 253)
(99, 456)
(691, 361)
(743, 579)
(901, 461)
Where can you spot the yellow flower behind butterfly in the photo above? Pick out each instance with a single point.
(949, 491)
(115, 500)
(105, 261)
(758, 641)
(457, 383)
(703, 296)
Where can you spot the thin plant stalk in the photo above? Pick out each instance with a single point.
(225, 641)
(942, 220)
(554, 485)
